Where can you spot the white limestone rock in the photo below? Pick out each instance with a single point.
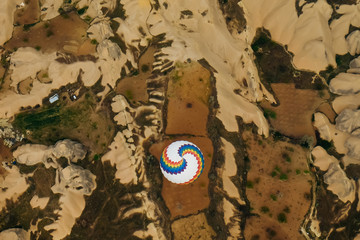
(329, 132)
(69, 149)
(322, 159)
(353, 146)
(345, 84)
(14, 234)
(72, 182)
(348, 120)
(351, 101)
(339, 183)
(31, 154)
(353, 41)
(74, 178)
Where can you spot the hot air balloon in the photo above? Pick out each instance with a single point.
(182, 162)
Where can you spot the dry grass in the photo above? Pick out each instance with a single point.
(293, 116)
(188, 93)
(183, 200)
(134, 88)
(278, 182)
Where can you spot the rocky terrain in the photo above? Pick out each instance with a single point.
(92, 91)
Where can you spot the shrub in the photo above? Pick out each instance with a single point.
(249, 184)
(273, 197)
(145, 68)
(283, 177)
(282, 218)
(264, 209)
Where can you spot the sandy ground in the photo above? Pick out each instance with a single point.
(269, 160)
(135, 88)
(7, 11)
(12, 185)
(188, 93)
(183, 200)
(293, 115)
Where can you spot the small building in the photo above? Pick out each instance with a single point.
(54, 98)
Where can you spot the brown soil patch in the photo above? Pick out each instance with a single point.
(293, 115)
(29, 14)
(65, 32)
(188, 94)
(187, 199)
(191, 228)
(326, 109)
(25, 86)
(135, 88)
(5, 156)
(278, 182)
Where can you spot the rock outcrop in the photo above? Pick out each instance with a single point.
(339, 183)
(31, 154)
(14, 234)
(348, 120)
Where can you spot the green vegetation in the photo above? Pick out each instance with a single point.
(249, 184)
(283, 177)
(282, 218)
(286, 157)
(306, 171)
(77, 121)
(273, 197)
(324, 144)
(81, 11)
(273, 173)
(175, 77)
(287, 209)
(298, 171)
(129, 94)
(145, 68)
(87, 19)
(93, 41)
(264, 209)
(37, 48)
(269, 113)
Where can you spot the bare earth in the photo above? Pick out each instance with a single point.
(269, 160)
(293, 115)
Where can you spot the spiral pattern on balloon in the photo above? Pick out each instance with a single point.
(182, 162)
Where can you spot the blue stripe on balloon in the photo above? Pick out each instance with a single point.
(182, 167)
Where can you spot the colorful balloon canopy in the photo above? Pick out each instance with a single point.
(182, 162)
